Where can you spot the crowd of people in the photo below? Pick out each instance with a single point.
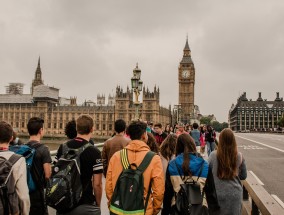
(145, 165)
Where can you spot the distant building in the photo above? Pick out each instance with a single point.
(256, 115)
(44, 101)
(15, 88)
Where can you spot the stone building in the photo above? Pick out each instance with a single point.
(186, 78)
(259, 115)
(45, 102)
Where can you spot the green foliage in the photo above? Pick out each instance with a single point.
(215, 124)
(281, 122)
(205, 121)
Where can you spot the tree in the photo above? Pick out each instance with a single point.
(205, 121)
(281, 122)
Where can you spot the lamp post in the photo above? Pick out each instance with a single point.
(178, 112)
(136, 85)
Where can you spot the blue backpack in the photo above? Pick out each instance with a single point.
(28, 153)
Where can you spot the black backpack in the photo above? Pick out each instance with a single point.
(128, 195)
(64, 188)
(189, 198)
(9, 200)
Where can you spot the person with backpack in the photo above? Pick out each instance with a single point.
(40, 167)
(228, 169)
(115, 143)
(13, 177)
(80, 165)
(135, 179)
(188, 171)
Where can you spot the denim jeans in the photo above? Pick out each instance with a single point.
(210, 147)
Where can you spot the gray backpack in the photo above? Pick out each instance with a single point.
(9, 201)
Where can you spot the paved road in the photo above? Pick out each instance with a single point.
(264, 154)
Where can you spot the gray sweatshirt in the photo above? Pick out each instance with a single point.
(19, 172)
(229, 192)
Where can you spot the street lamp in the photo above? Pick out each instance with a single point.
(136, 85)
(178, 112)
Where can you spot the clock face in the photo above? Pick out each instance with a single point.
(185, 74)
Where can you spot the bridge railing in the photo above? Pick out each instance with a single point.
(257, 200)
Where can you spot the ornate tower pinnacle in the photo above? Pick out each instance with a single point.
(38, 76)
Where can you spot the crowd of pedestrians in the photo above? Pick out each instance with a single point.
(148, 169)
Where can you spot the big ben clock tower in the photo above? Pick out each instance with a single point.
(186, 77)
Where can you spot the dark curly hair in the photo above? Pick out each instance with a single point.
(136, 129)
(70, 129)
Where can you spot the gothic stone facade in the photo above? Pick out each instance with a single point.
(44, 102)
(256, 115)
(186, 77)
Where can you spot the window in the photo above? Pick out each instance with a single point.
(104, 127)
(60, 125)
(110, 127)
(54, 125)
(97, 126)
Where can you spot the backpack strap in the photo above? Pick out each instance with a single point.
(14, 158)
(124, 158)
(142, 167)
(146, 161)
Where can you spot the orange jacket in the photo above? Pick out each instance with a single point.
(137, 150)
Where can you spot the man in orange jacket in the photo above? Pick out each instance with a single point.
(137, 149)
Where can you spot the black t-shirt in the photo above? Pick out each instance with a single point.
(42, 156)
(90, 164)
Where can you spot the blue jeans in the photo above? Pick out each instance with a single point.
(210, 147)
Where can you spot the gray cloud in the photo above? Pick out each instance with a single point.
(90, 47)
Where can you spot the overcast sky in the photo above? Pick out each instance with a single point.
(89, 47)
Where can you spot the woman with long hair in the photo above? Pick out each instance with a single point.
(152, 143)
(228, 168)
(186, 167)
(167, 150)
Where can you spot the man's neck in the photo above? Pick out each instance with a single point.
(35, 138)
(84, 136)
(4, 145)
(121, 133)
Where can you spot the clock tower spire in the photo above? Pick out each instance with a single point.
(186, 78)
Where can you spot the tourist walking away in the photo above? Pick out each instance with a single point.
(159, 134)
(202, 140)
(114, 144)
(228, 168)
(135, 161)
(195, 134)
(70, 129)
(180, 129)
(167, 151)
(210, 137)
(186, 173)
(41, 166)
(14, 192)
(154, 147)
(85, 193)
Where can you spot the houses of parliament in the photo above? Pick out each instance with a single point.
(44, 101)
